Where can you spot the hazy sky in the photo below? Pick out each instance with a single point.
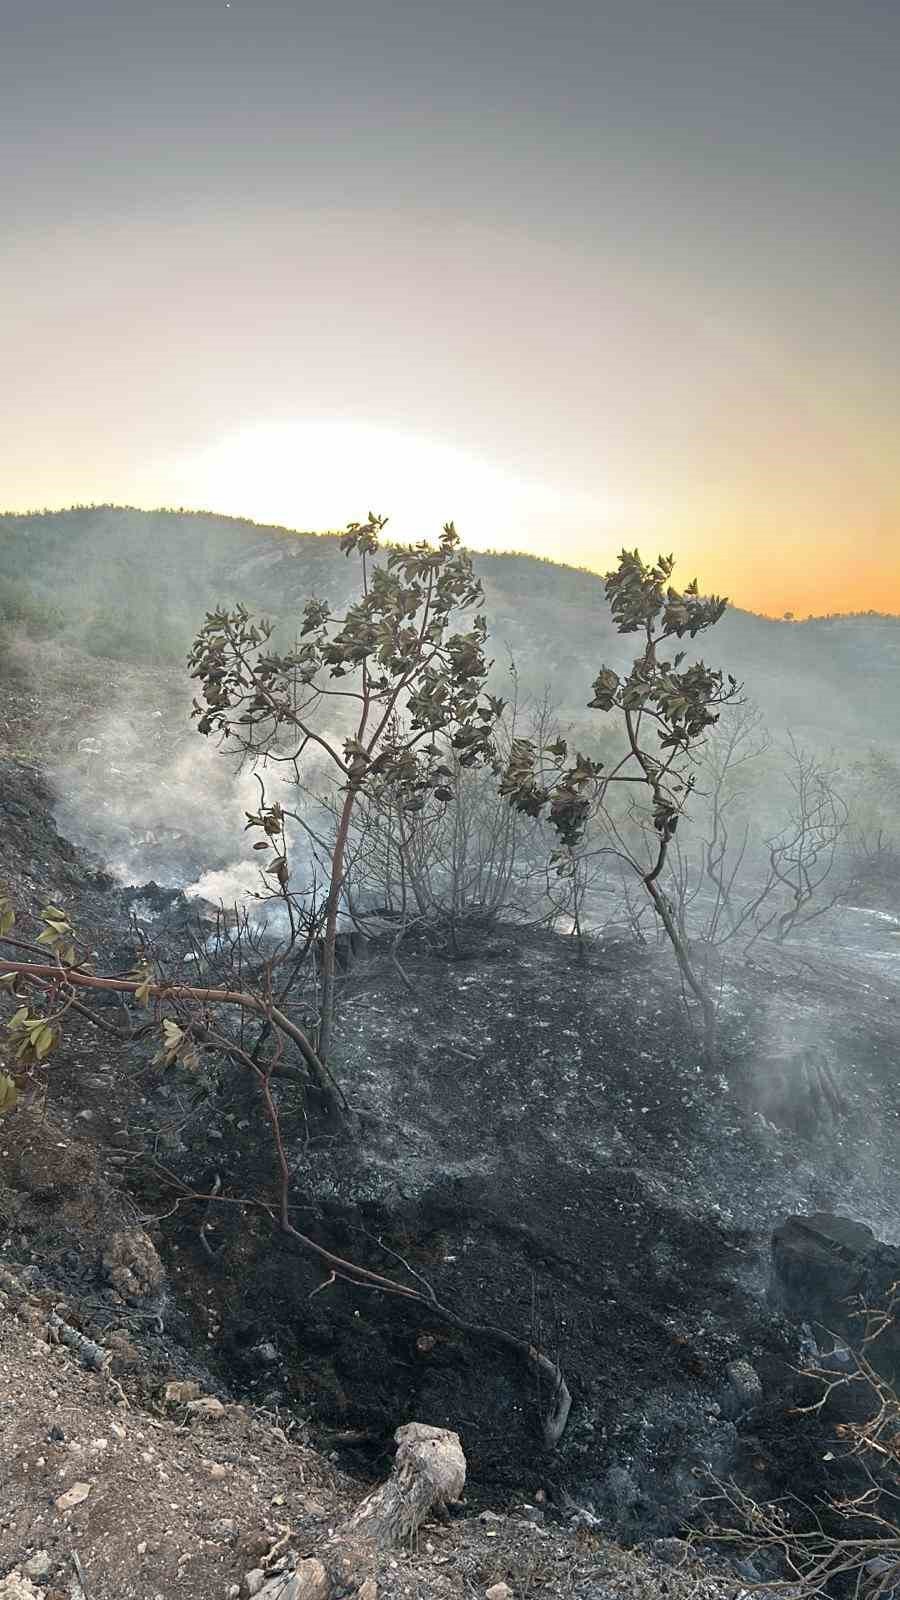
(575, 273)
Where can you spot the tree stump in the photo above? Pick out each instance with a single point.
(428, 1476)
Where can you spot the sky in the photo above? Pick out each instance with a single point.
(576, 275)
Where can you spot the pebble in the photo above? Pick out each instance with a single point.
(73, 1497)
(223, 1528)
(217, 1471)
(498, 1591)
(253, 1581)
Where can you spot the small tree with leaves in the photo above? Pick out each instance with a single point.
(393, 663)
(666, 707)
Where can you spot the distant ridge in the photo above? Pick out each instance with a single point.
(131, 584)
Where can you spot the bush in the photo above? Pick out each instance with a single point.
(21, 607)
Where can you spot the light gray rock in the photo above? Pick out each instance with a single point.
(39, 1566)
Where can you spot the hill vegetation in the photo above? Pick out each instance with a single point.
(133, 586)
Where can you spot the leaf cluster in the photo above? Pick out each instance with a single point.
(393, 649)
(679, 703)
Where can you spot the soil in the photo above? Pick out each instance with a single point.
(541, 1141)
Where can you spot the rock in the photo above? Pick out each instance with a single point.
(222, 1529)
(498, 1591)
(824, 1267)
(313, 1508)
(209, 1409)
(253, 1582)
(217, 1471)
(367, 1590)
(73, 1497)
(308, 1581)
(744, 1388)
(39, 1566)
(125, 1355)
(132, 1266)
(674, 1552)
(179, 1391)
(17, 1587)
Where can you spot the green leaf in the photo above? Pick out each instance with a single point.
(43, 1042)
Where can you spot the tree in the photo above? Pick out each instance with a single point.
(666, 709)
(390, 670)
(803, 852)
(452, 869)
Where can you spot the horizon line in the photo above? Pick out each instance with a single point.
(786, 617)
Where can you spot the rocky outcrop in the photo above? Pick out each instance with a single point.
(828, 1270)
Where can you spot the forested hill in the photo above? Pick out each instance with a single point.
(133, 585)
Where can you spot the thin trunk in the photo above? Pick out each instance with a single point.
(331, 916)
(694, 982)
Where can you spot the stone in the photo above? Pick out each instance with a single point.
(217, 1471)
(253, 1582)
(178, 1391)
(125, 1355)
(39, 1566)
(674, 1552)
(15, 1586)
(308, 1581)
(824, 1267)
(73, 1497)
(223, 1529)
(367, 1590)
(132, 1265)
(498, 1591)
(745, 1381)
(209, 1409)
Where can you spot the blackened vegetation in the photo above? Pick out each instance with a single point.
(543, 1142)
(545, 1147)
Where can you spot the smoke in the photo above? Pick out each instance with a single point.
(152, 801)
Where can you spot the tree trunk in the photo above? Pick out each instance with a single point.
(694, 982)
(331, 915)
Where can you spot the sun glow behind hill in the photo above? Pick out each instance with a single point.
(323, 475)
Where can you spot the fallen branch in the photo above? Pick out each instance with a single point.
(331, 1091)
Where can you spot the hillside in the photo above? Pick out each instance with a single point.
(539, 1138)
(133, 586)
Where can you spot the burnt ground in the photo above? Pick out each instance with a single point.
(541, 1141)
